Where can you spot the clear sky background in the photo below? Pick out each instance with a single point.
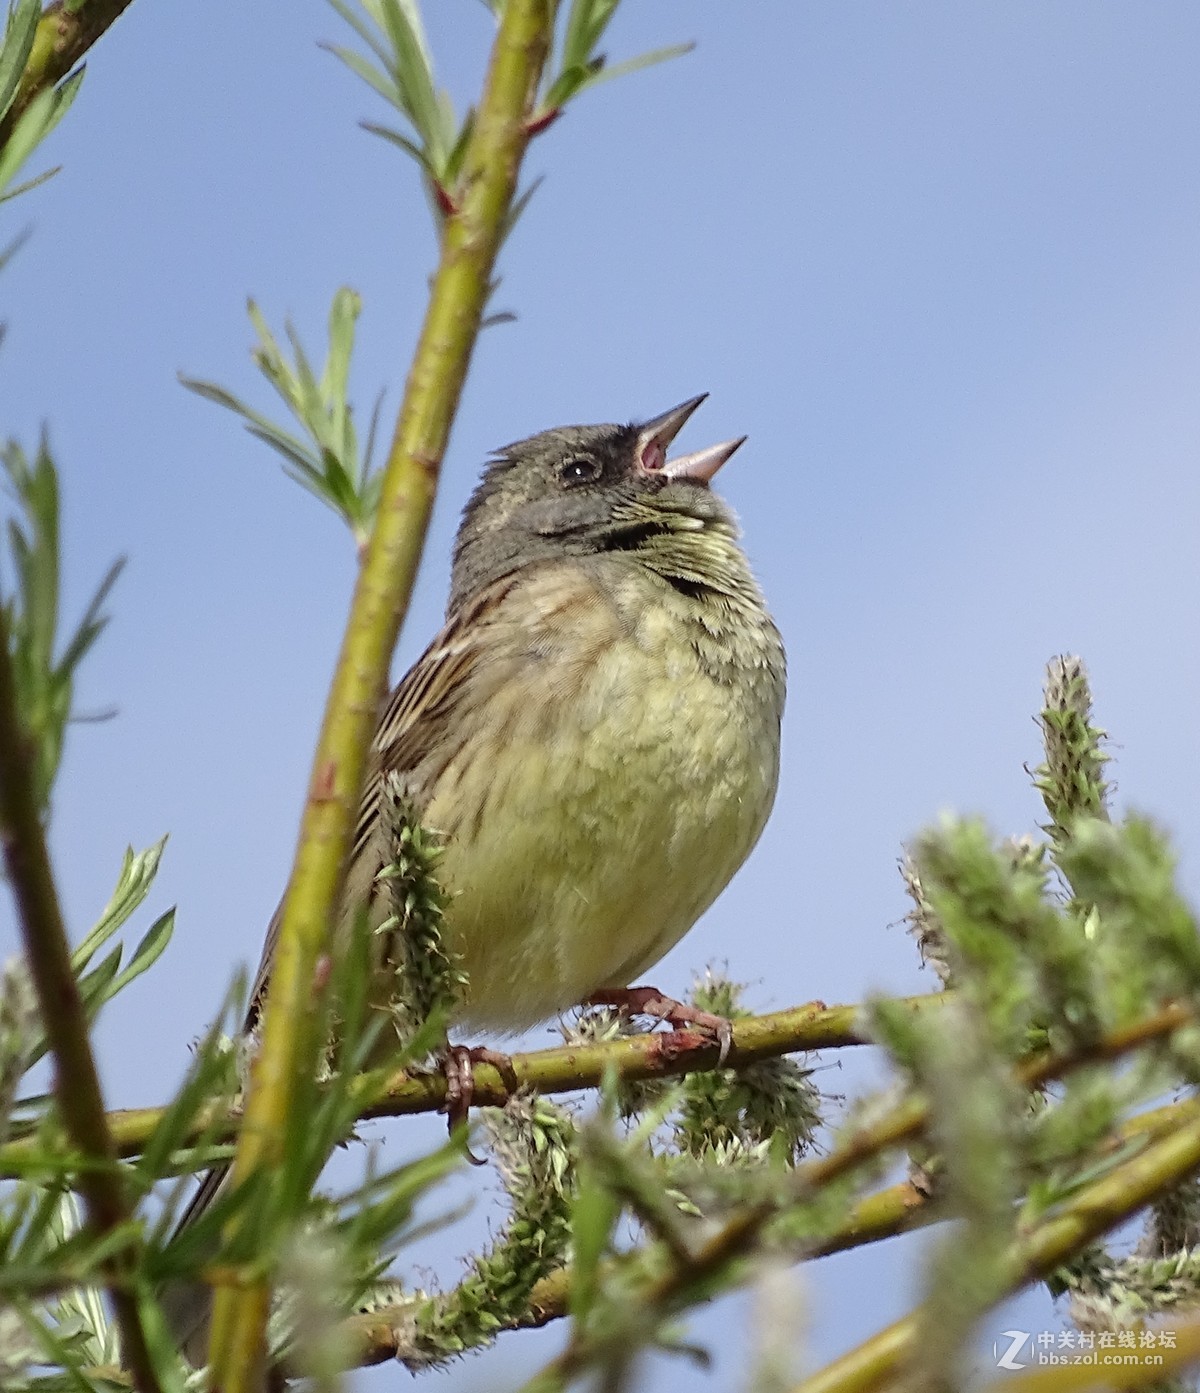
(940, 261)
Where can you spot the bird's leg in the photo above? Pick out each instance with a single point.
(649, 1001)
(458, 1067)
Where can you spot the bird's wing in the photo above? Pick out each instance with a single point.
(482, 649)
(415, 722)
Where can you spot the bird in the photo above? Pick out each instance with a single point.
(593, 735)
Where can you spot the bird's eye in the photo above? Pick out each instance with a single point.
(579, 469)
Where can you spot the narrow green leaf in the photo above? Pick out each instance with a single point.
(93, 621)
(600, 13)
(458, 151)
(565, 86)
(147, 953)
(633, 65)
(7, 253)
(384, 83)
(519, 204)
(291, 447)
(138, 870)
(575, 35)
(414, 70)
(300, 463)
(64, 95)
(404, 143)
(18, 189)
(343, 318)
(368, 33)
(18, 41)
(307, 402)
(34, 124)
(593, 1216)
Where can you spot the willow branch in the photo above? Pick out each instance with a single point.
(76, 1082)
(1094, 1211)
(379, 1336)
(573, 1068)
(737, 1236)
(471, 240)
(61, 39)
(564, 1069)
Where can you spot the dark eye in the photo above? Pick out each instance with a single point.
(579, 469)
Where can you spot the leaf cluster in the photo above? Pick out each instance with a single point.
(34, 121)
(43, 671)
(325, 456)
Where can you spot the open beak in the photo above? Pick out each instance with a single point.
(656, 436)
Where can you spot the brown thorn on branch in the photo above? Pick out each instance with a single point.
(542, 121)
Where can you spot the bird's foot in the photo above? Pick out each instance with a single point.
(458, 1067)
(649, 1001)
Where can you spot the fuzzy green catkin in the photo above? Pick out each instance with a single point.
(315, 1269)
(18, 1026)
(975, 1119)
(726, 1113)
(599, 1024)
(1128, 873)
(1002, 932)
(778, 1320)
(1174, 1221)
(1071, 778)
(1117, 1293)
(429, 980)
(533, 1145)
(925, 925)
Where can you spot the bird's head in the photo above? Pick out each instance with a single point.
(578, 490)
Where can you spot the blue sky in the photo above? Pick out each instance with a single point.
(939, 261)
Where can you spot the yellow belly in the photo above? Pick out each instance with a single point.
(608, 824)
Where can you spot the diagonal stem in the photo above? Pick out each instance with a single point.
(61, 39)
(738, 1234)
(471, 240)
(1095, 1210)
(76, 1082)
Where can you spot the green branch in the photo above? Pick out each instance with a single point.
(64, 34)
(737, 1235)
(471, 239)
(376, 1337)
(564, 1069)
(1095, 1210)
(77, 1084)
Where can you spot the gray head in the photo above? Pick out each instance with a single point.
(579, 490)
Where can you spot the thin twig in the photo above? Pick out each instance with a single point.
(61, 39)
(1093, 1211)
(375, 1337)
(76, 1082)
(737, 1234)
(471, 240)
